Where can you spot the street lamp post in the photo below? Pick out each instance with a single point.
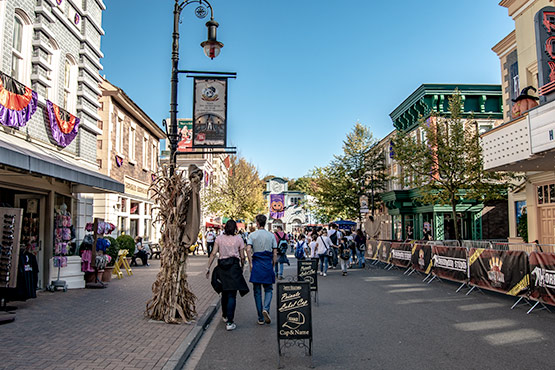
(211, 48)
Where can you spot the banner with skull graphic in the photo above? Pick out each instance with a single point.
(501, 271)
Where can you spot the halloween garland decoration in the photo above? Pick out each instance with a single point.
(18, 103)
(63, 125)
(119, 160)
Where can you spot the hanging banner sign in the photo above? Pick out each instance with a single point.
(422, 258)
(401, 254)
(542, 277)
(294, 311)
(185, 132)
(210, 112)
(450, 263)
(63, 125)
(277, 206)
(17, 102)
(502, 271)
(307, 270)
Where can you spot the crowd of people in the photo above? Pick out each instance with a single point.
(266, 253)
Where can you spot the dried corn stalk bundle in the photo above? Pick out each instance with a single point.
(179, 202)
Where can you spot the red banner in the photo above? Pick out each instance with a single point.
(401, 254)
(502, 271)
(450, 263)
(422, 258)
(542, 277)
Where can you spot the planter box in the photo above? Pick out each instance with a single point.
(72, 274)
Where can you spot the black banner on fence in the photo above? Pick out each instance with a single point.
(384, 252)
(422, 258)
(307, 270)
(294, 312)
(401, 254)
(450, 263)
(542, 277)
(372, 249)
(502, 271)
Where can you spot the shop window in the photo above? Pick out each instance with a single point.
(119, 135)
(99, 163)
(70, 84)
(147, 225)
(123, 205)
(551, 193)
(100, 125)
(145, 152)
(99, 144)
(134, 227)
(132, 143)
(134, 208)
(122, 225)
(21, 47)
(52, 59)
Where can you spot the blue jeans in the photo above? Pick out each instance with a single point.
(229, 301)
(280, 268)
(361, 259)
(323, 263)
(257, 292)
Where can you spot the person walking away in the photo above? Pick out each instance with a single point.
(262, 254)
(140, 252)
(282, 245)
(344, 255)
(300, 248)
(313, 245)
(360, 242)
(323, 249)
(210, 239)
(227, 277)
(351, 244)
(334, 234)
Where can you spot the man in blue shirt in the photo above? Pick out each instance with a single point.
(262, 253)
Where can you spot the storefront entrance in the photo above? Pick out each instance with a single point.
(32, 230)
(547, 224)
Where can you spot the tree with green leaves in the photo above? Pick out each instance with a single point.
(240, 196)
(447, 163)
(358, 171)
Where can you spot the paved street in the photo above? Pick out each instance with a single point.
(98, 328)
(383, 320)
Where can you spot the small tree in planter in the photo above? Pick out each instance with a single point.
(112, 250)
(126, 242)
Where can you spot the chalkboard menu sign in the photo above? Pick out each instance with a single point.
(307, 270)
(294, 311)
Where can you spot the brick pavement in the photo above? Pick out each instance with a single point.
(98, 328)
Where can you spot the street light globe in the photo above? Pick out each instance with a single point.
(212, 46)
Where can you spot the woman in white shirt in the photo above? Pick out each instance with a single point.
(323, 245)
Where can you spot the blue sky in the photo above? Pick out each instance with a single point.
(307, 71)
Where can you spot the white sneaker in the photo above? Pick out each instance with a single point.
(321, 273)
(230, 326)
(325, 274)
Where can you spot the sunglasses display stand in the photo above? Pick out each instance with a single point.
(10, 219)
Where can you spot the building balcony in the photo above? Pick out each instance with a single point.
(523, 144)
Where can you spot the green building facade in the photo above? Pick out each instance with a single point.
(485, 104)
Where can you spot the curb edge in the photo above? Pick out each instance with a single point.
(182, 353)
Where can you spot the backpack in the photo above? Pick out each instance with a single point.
(345, 253)
(299, 251)
(333, 238)
(282, 244)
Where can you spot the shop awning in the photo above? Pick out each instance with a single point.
(26, 156)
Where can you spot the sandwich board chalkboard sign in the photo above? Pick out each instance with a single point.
(294, 311)
(307, 270)
(294, 316)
